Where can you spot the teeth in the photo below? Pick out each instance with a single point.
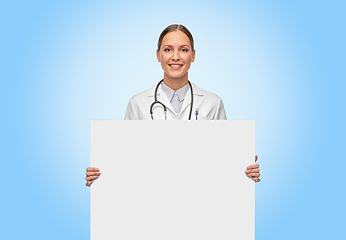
(176, 65)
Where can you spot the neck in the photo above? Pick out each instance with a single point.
(175, 83)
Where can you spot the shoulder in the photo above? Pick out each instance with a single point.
(200, 92)
(139, 105)
(143, 95)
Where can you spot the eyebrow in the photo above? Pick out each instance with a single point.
(167, 45)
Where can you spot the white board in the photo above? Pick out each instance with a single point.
(172, 180)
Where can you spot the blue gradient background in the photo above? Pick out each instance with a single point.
(64, 63)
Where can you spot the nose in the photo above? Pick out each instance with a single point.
(176, 56)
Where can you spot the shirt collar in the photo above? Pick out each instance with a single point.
(181, 92)
(196, 90)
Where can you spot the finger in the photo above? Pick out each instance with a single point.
(255, 170)
(256, 157)
(93, 174)
(253, 166)
(91, 178)
(89, 183)
(254, 174)
(256, 179)
(92, 169)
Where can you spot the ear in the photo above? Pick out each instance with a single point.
(158, 56)
(193, 56)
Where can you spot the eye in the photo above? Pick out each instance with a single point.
(184, 50)
(168, 50)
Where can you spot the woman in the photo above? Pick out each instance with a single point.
(175, 52)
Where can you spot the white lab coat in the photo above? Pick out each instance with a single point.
(210, 106)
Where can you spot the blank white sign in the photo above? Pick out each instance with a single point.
(172, 180)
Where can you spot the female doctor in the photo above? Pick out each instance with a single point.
(174, 97)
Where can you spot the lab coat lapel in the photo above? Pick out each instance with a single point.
(185, 110)
(186, 103)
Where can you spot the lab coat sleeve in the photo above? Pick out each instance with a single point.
(131, 112)
(220, 113)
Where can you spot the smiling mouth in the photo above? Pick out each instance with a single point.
(175, 65)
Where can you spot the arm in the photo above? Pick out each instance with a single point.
(130, 112)
(220, 113)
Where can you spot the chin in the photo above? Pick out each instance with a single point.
(176, 76)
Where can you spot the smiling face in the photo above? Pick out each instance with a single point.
(176, 56)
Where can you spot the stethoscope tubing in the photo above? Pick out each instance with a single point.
(164, 107)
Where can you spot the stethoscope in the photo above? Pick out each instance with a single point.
(164, 107)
